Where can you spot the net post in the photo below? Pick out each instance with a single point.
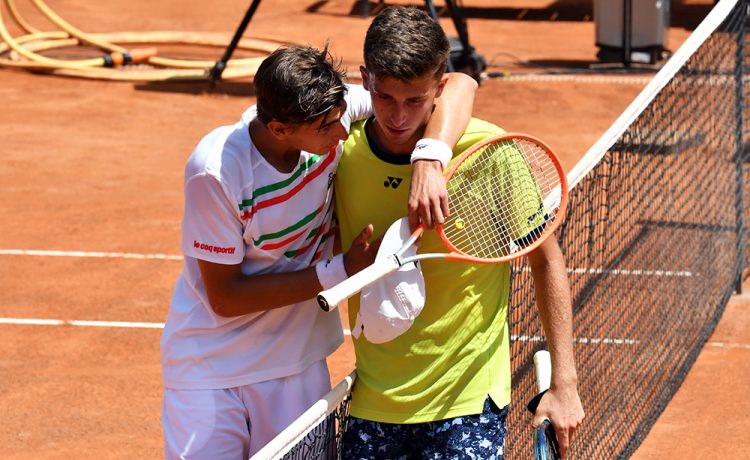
(740, 152)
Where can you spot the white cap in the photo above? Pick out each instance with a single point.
(388, 307)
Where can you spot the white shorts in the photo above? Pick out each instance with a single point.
(235, 423)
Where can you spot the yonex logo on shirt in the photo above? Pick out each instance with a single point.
(392, 182)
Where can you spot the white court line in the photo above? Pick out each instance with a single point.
(730, 345)
(86, 323)
(744, 297)
(64, 322)
(114, 255)
(145, 325)
(586, 340)
(577, 78)
(132, 255)
(600, 271)
(635, 272)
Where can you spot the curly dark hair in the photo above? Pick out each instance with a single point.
(298, 84)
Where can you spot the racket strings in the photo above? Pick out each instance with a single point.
(501, 198)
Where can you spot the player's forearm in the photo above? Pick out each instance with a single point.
(235, 294)
(274, 290)
(452, 109)
(555, 310)
(428, 199)
(232, 293)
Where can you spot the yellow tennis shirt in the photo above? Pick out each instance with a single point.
(457, 351)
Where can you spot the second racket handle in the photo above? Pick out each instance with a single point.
(330, 298)
(543, 367)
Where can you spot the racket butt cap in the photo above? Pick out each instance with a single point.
(323, 303)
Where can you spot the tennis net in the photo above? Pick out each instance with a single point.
(654, 242)
(655, 245)
(316, 434)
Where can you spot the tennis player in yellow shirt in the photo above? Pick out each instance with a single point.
(442, 388)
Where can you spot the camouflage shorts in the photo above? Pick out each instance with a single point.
(480, 436)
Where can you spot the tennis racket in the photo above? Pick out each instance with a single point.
(506, 195)
(545, 439)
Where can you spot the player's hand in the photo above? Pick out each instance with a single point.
(562, 406)
(362, 253)
(428, 198)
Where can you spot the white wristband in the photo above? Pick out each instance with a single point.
(432, 149)
(331, 272)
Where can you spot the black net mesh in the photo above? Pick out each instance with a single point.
(653, 242)
(323, 442)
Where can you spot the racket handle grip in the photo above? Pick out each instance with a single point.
(330, 298)
(543, 368)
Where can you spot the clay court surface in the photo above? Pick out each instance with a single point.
(96, 166)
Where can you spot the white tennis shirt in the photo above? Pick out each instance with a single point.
(241, 210)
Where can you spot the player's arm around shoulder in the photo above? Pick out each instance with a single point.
(562, 403)
(358, 105)
(428, 199)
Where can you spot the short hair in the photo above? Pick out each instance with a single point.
(405, 43)
(298, 84)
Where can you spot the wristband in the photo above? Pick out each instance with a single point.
(331, 272)
(432, 149)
